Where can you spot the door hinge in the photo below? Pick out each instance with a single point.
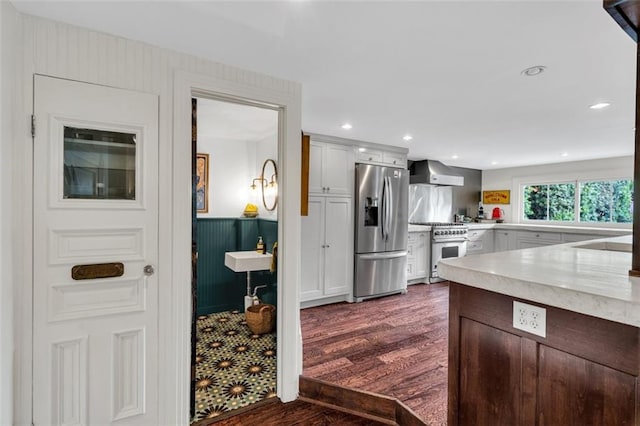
(33, 126)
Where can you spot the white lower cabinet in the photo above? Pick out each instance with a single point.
(529, 239)
(418, 253)
(504, 240)
(480, 241)
(574, 238)
(327, 250)
(512, 240)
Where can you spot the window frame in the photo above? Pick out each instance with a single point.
(576, 181)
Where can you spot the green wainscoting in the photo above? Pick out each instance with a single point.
(219, 288)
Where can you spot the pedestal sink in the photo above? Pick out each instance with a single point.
(247, 261)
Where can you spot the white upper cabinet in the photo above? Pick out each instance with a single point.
(375, 156)
(331, 169)
(369, 156)
(394, 159)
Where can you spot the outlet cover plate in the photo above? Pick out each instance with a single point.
(529, 318)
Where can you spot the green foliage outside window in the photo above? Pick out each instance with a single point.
(606, 201)
(599, 201)
(550, 202)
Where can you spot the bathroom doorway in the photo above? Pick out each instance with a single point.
(234, 196)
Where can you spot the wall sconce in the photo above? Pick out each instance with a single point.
(270, 187)
(253, 184)
(273, 184)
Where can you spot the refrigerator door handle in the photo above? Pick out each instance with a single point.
(389, 206)
(383, 221)
(379, 256)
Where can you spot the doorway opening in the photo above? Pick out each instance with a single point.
(234, 194)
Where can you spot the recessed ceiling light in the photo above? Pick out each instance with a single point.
(533, 71)
(407, 137)
(346, 126)
(493, 163)
(600, 105)
(564, 154)
(362, 149)
(454, 156)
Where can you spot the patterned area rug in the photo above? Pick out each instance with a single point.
(234, 367)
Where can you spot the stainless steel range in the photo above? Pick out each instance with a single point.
(447, 240)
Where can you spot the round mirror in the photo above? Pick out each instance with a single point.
(270, 187)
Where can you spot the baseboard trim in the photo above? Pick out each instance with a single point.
(369, 405)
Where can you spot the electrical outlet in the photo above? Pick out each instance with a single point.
(529, 318)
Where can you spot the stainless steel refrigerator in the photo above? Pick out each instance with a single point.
(382, 203)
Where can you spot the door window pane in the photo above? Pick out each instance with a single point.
(99, 164)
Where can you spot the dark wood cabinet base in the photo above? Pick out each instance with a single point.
(584, 372)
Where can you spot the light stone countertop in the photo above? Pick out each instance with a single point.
(481, 225)
(552, 228)
(588, 281)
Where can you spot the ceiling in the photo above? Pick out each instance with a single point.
(448, 73)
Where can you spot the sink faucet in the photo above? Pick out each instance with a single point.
(255, 289)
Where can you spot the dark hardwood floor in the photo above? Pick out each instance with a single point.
(275, 413)
(394, 345)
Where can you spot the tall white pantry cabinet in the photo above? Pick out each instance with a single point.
(327, 231)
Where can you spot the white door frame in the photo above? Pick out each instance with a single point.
(175, 339)
(174, 262)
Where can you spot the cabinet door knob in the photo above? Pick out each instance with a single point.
(328, 189)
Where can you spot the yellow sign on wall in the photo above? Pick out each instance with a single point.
(496, 197)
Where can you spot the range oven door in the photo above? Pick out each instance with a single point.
(443, 250)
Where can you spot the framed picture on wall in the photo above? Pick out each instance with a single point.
(202, 183)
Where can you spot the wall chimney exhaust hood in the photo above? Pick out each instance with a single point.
(434, 173)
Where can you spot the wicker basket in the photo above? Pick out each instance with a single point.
(261, 318)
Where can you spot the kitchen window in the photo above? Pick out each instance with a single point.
(588, 201)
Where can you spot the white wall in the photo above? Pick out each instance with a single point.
(9, 41)
(60, 50)
(230, 169)
(512, 178)
(233, 164)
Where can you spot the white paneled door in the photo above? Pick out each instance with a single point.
(95, 248)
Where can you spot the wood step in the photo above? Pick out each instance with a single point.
(369, 405)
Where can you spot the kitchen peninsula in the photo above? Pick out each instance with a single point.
(579, 361)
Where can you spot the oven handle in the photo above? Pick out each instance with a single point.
(450, 241)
